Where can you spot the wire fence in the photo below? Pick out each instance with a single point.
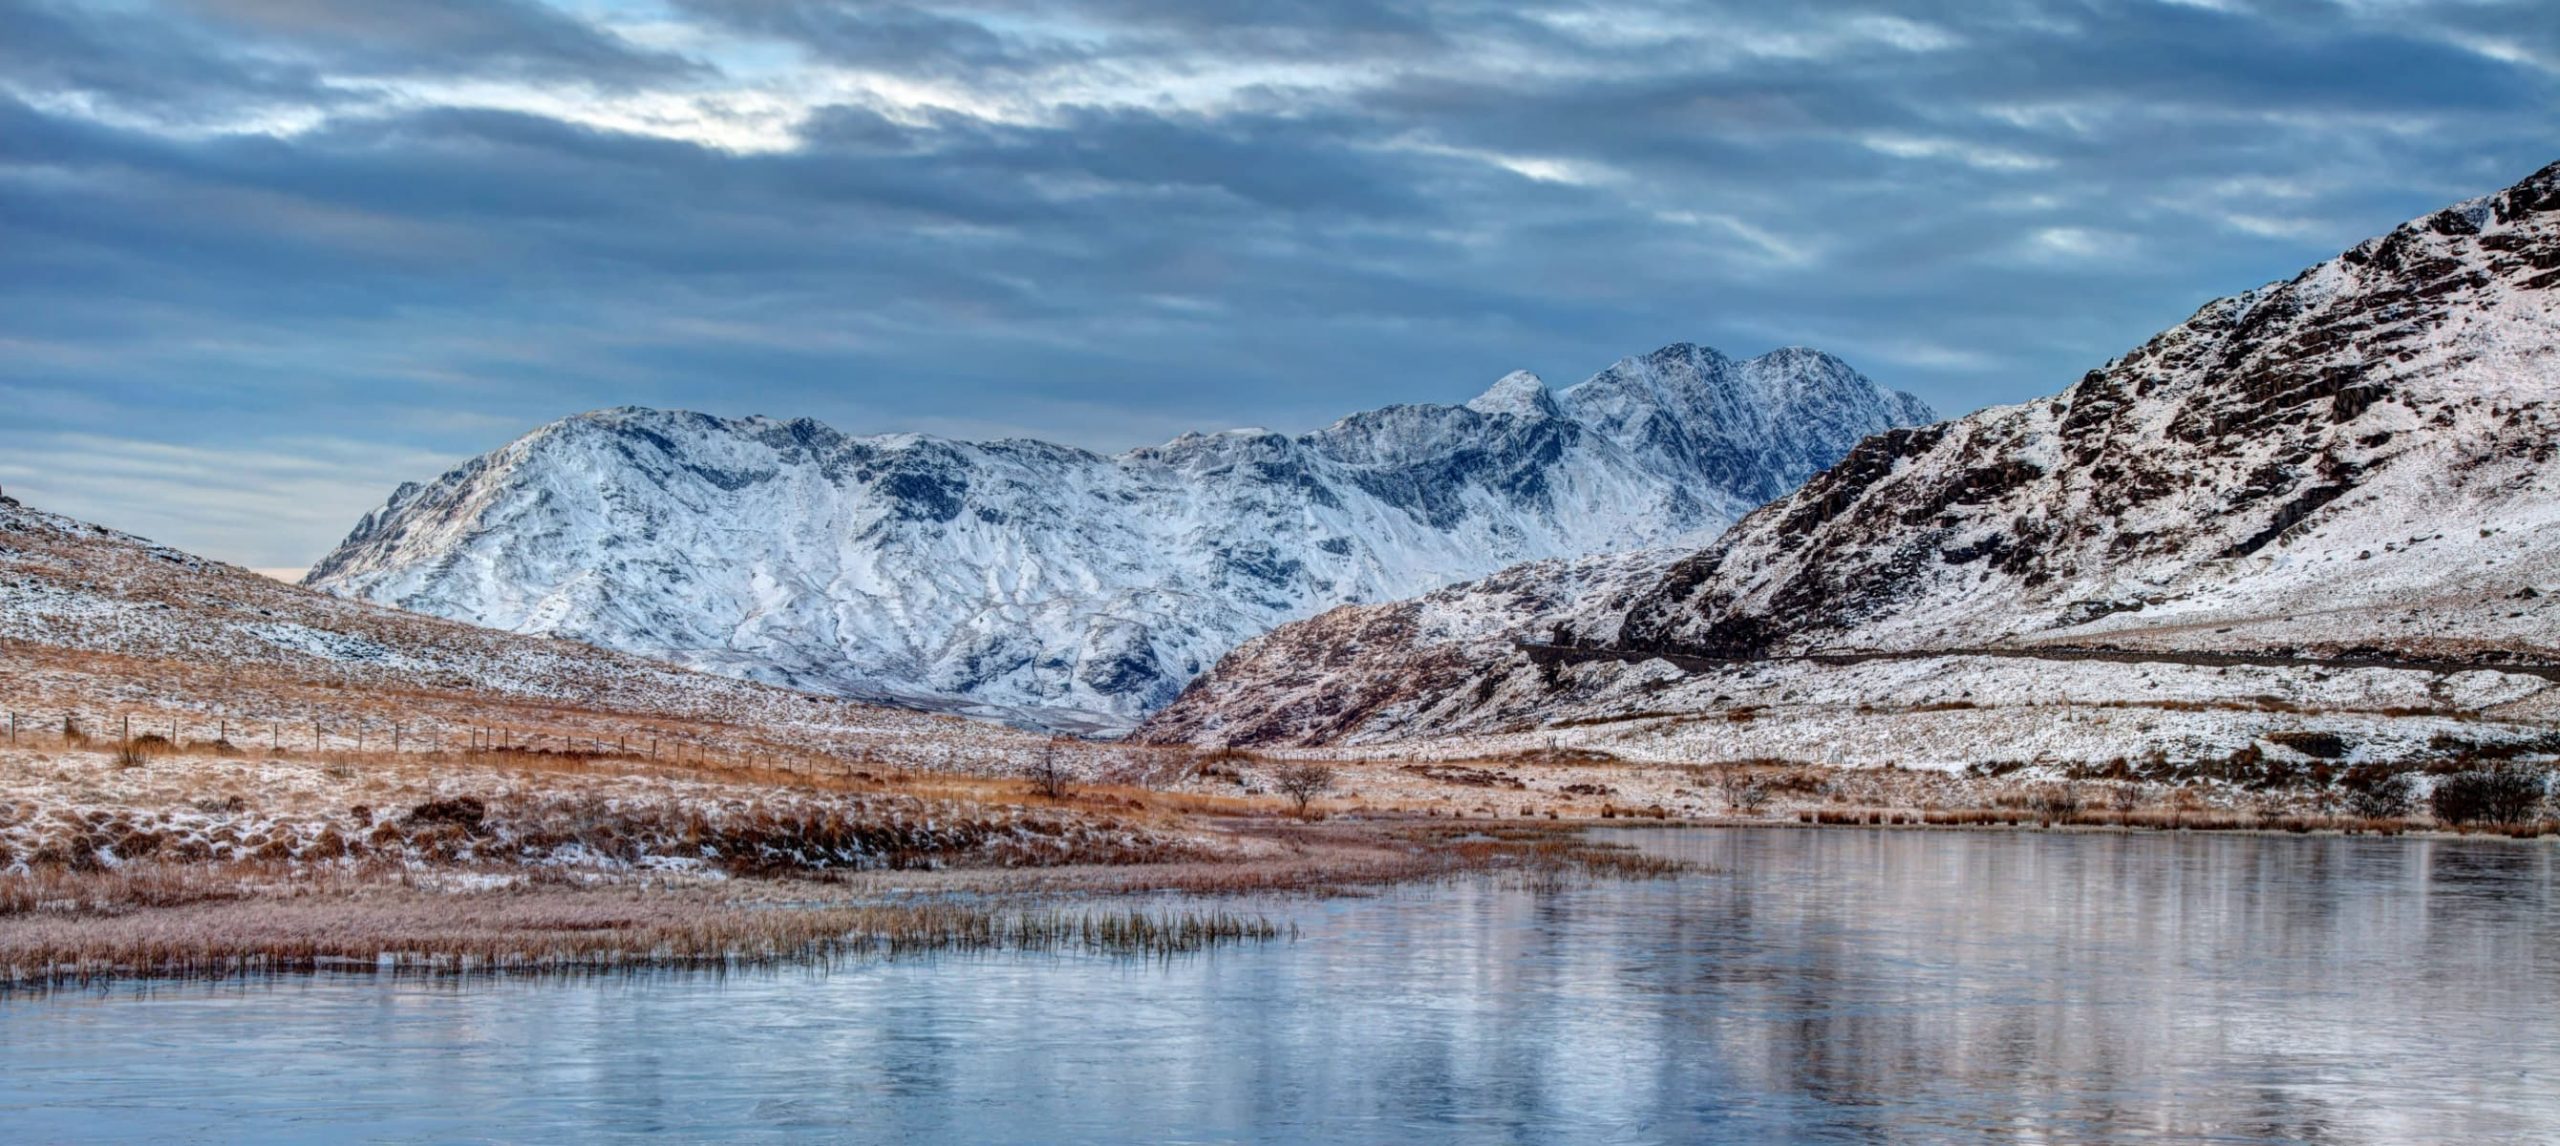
(73, 727)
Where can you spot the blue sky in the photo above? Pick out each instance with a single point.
(264, 259)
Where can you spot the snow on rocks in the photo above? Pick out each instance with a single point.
(2354, 463)
(1061, 588)
(2357, 459)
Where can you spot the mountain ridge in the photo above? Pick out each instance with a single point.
(2350, 461)
(1058, 586)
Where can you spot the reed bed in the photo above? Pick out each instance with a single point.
(538, 932)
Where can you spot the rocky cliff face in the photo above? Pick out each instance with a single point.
(1061, 587)
(2357, 460)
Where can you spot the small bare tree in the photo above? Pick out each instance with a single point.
(1742, 791)
(1049, 770)
(1302, 781)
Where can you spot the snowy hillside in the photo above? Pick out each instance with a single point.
(1369, 671)
(2358, 457)
(2356, 462)
(105, 623)
(1057, 586)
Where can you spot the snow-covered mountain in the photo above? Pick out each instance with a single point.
(1057, 586)
(2359, 456)
(2357, 461)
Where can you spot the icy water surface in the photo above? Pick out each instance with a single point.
(1844, 986)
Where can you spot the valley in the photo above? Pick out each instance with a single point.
(2195, 592)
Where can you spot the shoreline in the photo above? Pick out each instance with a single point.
(470, 923)
(210, 865)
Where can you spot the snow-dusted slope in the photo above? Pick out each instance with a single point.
(2359, 460)
(1054, 585)
(105, 623)
(2360, 456)
(1370, 671)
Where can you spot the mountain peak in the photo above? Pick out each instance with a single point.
(1801, 356)
(1687, 352)
(1053, 585)
(2533, 194)
(1519, 394)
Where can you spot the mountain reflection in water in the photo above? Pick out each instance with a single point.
(1810, 986)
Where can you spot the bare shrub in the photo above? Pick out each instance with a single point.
(1049, 775)
(134, 753)
(2503, 794)
(2375, 793)
(2054, 801)
(1742, 791)
(1302, 781)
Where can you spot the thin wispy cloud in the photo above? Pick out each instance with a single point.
(226, 225)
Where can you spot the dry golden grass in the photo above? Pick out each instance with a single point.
(84, 810)
(60, 926)
(203, 860)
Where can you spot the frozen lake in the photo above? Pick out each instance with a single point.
(1837, 985)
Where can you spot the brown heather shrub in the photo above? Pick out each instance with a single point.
(2503, 794)
(2374, 791)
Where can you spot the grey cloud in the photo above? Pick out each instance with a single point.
(132, 59)
(206, 63)
(521, 38)
(896, 36)
(1022, 35)
(1977, 203)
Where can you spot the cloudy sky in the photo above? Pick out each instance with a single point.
(263, 259)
